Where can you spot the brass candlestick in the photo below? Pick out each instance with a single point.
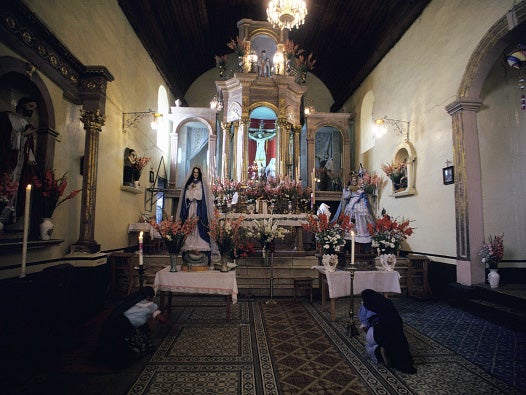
(140, 269)
(351, 327)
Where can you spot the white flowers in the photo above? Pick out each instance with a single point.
(266, 231)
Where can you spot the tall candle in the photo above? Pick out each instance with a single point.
(140, 249)
(352, 248)
(26, 231)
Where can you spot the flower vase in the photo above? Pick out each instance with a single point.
(493, 278)
(289, 206)
(387, 262)
(266, 253)
(330, 262)
(224, 263)
(173, 261)
(250, 208)
(46, 229)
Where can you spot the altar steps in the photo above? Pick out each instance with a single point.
(505, 305)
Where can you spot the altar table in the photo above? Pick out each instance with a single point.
(211, 282)
(339, 284)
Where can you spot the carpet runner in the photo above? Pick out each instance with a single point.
(293, 348)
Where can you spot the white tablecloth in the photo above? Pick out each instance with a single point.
(206, 282)
(339, 282)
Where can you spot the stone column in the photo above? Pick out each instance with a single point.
(92, 92)
(235, 155)
(174, 145)
(244, 142)
(93, 122)
(296, 163)
(225, 127)
(468, 191)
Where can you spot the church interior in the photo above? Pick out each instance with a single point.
(282, 155)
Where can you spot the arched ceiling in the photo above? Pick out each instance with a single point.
(348, 38)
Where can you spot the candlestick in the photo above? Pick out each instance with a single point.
(26, 230)
(140, 249)
(352, 248)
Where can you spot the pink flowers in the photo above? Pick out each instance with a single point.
(492, 251)
(174, 233)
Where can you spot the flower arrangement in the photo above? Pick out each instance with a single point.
(140, 163)
(396, 171)
(244, 249)
(388, 234)
(369, 182)
(330, 236)
(224, 190)
(238, 46)
(226, 232)
(305, 64)
(291, 50)
(8, 188)
(52, 190)
(271, 191)
(288, 188)
(492, 251)
(251, 192)
(174, 233)
(266, 231)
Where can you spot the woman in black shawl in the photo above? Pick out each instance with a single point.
(385, 338)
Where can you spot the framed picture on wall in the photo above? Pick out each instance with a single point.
(448, 175)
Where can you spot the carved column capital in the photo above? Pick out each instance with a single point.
(92, 119)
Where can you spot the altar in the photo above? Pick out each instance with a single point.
(209, 282)
(338, 284)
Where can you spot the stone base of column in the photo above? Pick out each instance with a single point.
(85, 246)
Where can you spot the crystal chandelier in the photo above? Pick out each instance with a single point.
(286, 14)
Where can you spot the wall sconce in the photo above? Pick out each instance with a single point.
(252, 60)
(309, 110)
(400, 127)
(279, 63)
(131, 119)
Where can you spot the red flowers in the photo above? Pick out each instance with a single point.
(8, 188)
(388, 234)
(51, 190)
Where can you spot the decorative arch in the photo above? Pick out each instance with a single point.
(466, 156)
(21, 78)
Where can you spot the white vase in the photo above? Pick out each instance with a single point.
(46, 228)
(493, 278)
(388, 262)
(330, 262)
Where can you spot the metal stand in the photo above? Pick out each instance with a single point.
(271, 280)
(141, 270)
(351, 327)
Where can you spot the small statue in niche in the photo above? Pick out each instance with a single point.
(128, 171)
(264, 65)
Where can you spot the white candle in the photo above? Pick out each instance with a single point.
(140, 249)
(352, 248)
(26, 231)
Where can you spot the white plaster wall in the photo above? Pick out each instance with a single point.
(97, 33)
(414, 83)
(501, 125)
